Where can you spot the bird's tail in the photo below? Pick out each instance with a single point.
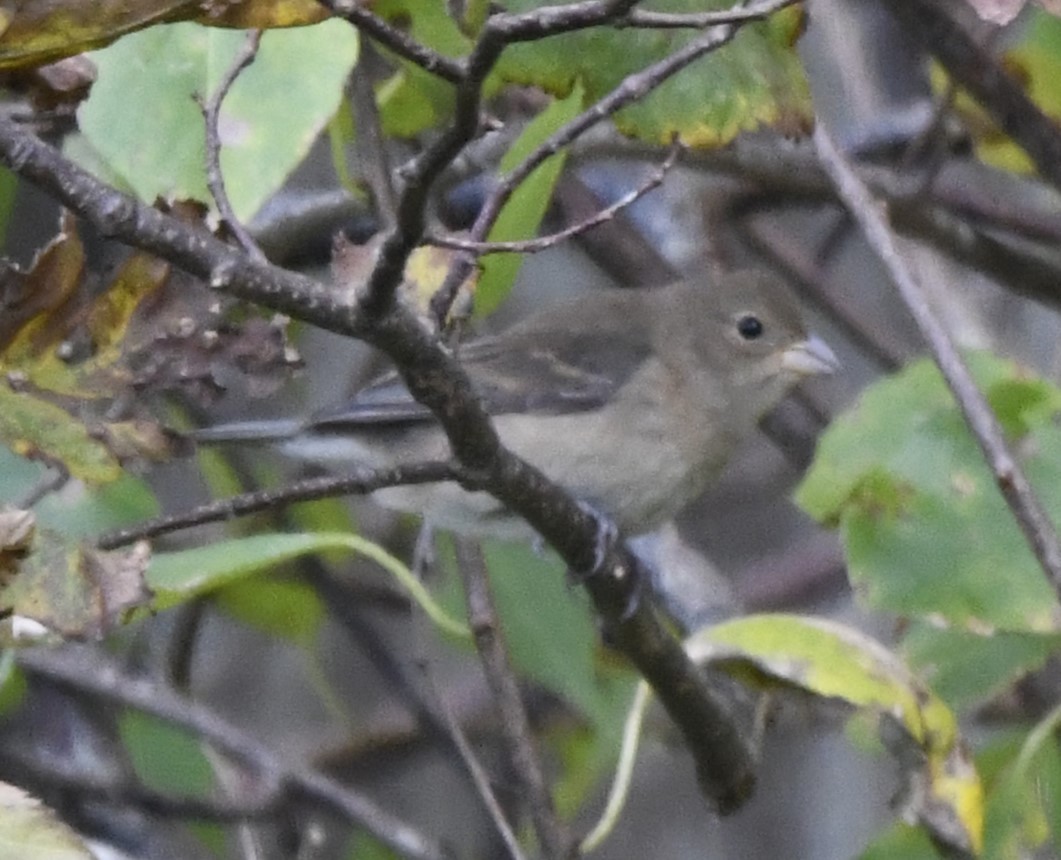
(268, 430)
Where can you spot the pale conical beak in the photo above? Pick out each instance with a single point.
(810, 358)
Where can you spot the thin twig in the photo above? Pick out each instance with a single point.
(397, 41)
(515, 728)
(739, 14)
(211, 108)
(361, 482)
(630, 89)
(479, 777)
(1036, 526)
(542, 243)
(101, 677)
(371, 146)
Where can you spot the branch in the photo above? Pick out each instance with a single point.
(542, 243)
(95, 787)
(1016, 489)
(739, 14)
(400, 43)
(479, 776)
(515, 727)
(359, 483)
(978, 71)
(211, 108)
(102, 678)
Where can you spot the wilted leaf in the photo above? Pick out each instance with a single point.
(29, 297)
(998, 11)
(34, 428)
(74, 590)
(29, 830)
(925, 529)
(1003, 11)
(182, 338)
(835, 662)
(38, 32)
(1034, 59)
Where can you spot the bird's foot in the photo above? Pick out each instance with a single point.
(606, 538)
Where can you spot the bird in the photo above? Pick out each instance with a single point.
(633, 400)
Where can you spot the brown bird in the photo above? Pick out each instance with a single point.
(631, 399)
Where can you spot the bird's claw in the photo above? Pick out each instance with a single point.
(607, 535)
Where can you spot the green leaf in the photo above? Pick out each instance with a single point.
(412, 101)
(901, 840)
(179, 576)
(8, 188)
(551, 633)
(141, 118)
(832, 661)
(966, 668)
(80, 515)
(280, 607)
(1022, 770)
(523, 213)
(925, 529)
(755, 80)
(32, 427)
(165, 758)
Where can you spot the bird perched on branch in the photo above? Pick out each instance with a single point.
(631, 399)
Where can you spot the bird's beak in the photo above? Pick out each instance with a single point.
(810, 358)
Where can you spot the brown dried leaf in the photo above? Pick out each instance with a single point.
(27, 296)
(74, 590)
(182, 339)
(141, 440)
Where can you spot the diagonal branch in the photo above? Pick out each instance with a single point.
(397, 41)
(360, 483)
(1016, 489)
(516, 732)
(543, 243)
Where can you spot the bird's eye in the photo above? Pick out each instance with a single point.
(750, 327)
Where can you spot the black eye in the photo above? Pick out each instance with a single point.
(750, 327)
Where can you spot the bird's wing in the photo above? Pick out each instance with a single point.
(544, 372)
